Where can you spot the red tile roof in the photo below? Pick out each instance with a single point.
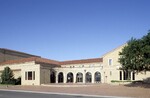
(81, 61)
(48, 61)
(5, 49)
(36, 59)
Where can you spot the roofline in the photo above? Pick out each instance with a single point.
(114, 50)
(30, 59)
(81, 61)
(5, 49)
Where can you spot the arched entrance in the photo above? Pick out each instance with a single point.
(88, 77)
(70, 77)
(52, 77)
(79, 77)
(60, 77)
(97, 77)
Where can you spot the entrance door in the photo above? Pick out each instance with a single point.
(88, 77)
(70, 77)
(60, 77)
(52, 77)
(79, 77)
(97, 77)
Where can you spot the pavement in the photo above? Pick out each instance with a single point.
(33, 94)
(87, 89)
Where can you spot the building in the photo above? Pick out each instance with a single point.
(35, 70)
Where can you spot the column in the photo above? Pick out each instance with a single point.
(122, 75)
(131, 73)
(93, 78)
(56, 77)
(84, 76)
(74, 78)
(65, 78)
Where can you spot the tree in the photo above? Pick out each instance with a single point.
(135, 56)
(7, 76)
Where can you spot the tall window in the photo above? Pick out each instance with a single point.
(120, 75)
(127, 75)
(133, 76)
(30, 75)
(109, 61)
(110, 73)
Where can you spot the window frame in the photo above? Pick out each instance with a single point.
(110, 63)
(29, 75)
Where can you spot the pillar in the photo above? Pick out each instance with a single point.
(122, 75)
(84, 78)
(56, 77)
(74, 78)
(65, 78)
(131, 73)
(93, 78)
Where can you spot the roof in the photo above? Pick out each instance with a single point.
(36, 59)
(5, 50)
(48, 61)
(114, 50)
(82, 61)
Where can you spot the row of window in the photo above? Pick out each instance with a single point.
(126, 75)
(30, 75)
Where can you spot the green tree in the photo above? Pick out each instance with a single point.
(136, 54)
(7, 76)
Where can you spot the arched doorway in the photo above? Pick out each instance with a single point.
(79, 77)
(88, 77)
(97, 77)
(52, 77)
(60, 77)
(70, 77)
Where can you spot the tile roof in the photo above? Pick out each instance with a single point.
(36, 59)
(81, 61)
(5, 49)
(48, 61)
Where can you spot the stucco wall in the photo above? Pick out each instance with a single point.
(111, 71)
(44, 75)
(31, 67)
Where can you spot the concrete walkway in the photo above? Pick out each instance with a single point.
(89, 89)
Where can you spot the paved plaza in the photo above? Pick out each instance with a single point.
(88, 89)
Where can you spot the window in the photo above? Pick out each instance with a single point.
(30, 75)
(120, 75)
(127, 75)
(133, 76)
(110, 73)
(91, 66)
(110, 62)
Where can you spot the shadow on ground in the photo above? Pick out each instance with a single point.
(144, 84)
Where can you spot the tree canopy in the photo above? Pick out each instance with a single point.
(136, 54)
(7, 76)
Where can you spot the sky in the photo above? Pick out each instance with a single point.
(71, 29)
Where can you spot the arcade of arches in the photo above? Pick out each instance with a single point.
(75, 78)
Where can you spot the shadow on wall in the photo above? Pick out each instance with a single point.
(144, 84)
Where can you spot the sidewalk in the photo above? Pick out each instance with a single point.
(96, 89)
